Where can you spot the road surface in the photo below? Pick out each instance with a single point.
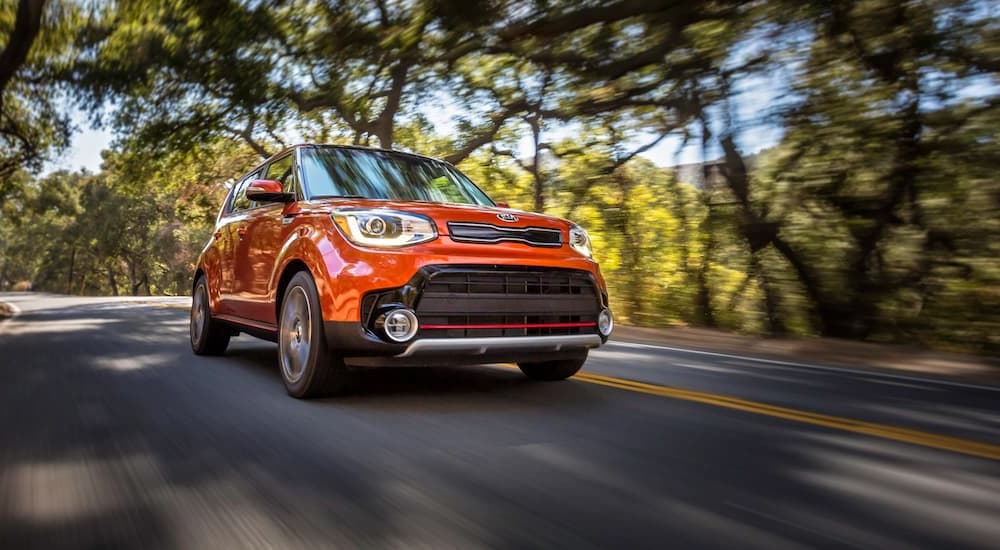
(113, 435)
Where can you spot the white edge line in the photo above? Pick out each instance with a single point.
(859, 372)
(15, 311)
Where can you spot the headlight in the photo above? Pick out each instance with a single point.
(580, 241)
(384, 228)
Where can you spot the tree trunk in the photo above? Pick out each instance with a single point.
(3, 274)
(27, 24)
(112, 282)
(772, 305)
(759, 233)
(539, 186)
(704, 299)
(827, 311)
(386, 121)
(72, 264)
(132, 282)
(865, 272)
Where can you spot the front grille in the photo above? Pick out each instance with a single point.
(507, 301)
(468, 232)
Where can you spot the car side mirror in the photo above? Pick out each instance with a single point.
(268, 191)
(502, 204)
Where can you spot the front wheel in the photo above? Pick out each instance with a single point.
(560, 369)
(208, 336)
(307, 366)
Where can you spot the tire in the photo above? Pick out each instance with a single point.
(308, 368)
(560, 369)
(208, 336)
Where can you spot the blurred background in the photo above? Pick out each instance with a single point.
(772, 167)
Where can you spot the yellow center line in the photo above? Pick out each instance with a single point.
(895, 433)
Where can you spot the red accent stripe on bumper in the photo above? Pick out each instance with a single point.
(499, 326)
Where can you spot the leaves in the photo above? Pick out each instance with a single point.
(874, 217)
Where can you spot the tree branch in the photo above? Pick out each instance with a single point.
(584, 17)
(620, 161)
(486, 136)
(247, 135)
(26, 28)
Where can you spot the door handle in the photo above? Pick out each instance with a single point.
(242, 232)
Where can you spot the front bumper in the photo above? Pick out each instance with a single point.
(361, 348)
(351, 273)
(478, 351)
(475, 314)
(516, 344)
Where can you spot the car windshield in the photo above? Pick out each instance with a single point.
(336, 172)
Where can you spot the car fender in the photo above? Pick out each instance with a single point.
(311, 246)
(210, 265)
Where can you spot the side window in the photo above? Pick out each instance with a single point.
(240, 200)
(283, 171)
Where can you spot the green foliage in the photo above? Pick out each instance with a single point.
(36, 49)
(873, 218)
(134, 228)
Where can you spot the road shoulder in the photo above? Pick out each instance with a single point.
(827, 352)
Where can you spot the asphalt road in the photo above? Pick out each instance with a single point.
(113, 435)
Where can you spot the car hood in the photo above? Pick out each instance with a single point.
(442, 213)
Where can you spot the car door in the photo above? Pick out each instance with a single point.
(231, 236)
(262, 237)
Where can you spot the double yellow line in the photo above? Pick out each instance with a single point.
(905, 435)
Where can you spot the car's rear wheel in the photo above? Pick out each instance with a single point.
(308, 367)
(208, 336)
(560, 369)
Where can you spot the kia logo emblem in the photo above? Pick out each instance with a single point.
(505, 217)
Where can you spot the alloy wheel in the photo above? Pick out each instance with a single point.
(295, 336)
(199, 312)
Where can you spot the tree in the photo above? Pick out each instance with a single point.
(35, 49)
(874, 217)
(881, 88)
(184, 72)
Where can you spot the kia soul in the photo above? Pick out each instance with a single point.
(350, 257)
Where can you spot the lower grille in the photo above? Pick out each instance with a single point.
(507, 301)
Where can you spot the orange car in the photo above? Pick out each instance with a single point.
(354, 257)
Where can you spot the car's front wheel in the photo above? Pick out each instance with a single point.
(208, 336)
(308, 367)
(554, 370)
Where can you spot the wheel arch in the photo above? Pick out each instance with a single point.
(209, 266)
(198, 274)
(213, 298)
(308, 249)
(293, 266)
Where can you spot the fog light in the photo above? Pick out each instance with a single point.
(400, 325)
(605, 323)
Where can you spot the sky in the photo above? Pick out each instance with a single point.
(752, 103)
(85, 148)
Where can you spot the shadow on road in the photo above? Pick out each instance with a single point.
(390, 383)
